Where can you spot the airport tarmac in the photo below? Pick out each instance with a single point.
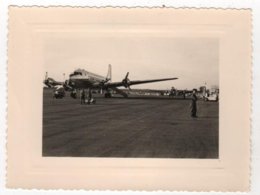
(133, 127)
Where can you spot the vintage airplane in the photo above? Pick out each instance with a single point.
(51, 83)
(82, 79)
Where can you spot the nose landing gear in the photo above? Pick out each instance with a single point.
(73, 94)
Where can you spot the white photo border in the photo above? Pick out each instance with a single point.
(237, 4)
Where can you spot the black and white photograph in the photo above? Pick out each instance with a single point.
(131, 95)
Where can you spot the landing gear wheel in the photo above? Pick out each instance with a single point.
(108, 95)
(73, 95)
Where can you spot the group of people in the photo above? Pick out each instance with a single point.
(83, 96)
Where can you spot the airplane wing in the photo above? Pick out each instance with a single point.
(126, 82)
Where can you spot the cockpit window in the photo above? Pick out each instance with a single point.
(76, 73)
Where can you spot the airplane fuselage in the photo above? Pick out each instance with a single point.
(81, 79)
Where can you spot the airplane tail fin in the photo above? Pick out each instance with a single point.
(109, 73)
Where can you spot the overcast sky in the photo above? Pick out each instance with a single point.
(193, 60)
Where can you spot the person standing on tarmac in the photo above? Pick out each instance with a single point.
(89, 95)
(82, 97)
(184, 94)
(193, 105)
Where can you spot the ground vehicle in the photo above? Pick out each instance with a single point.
(211, 97)
(59, 93)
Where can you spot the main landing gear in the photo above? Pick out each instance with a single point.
(108, 95)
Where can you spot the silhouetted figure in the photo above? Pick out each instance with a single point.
(194, 104)
(82, 97)
(89, 95)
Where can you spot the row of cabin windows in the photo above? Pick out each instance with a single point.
(80, 73)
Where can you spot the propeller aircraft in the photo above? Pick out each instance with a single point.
(82, 79)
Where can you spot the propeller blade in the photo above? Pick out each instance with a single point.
(126, 81)
(126, 76)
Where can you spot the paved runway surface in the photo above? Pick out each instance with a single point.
(133, 127)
